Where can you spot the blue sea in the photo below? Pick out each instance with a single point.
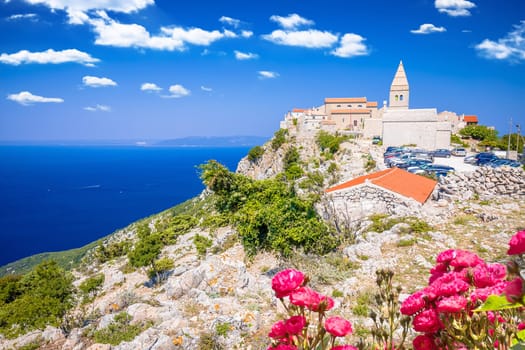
(61, 197)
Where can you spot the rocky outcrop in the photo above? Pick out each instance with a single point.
(483, 183)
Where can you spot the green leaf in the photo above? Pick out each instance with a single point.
(521, 335)
(497, 302)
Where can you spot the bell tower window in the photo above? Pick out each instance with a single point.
(396, 97)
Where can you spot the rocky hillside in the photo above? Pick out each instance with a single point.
(210, 294)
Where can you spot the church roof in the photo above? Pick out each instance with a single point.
(298, 110)
(371, 104)
(345, 100)
(470, 119)
(395, 180)
(400, 81)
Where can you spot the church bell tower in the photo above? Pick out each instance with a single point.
(399, 91)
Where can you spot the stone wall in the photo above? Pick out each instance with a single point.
(362, 201)
(485, 183)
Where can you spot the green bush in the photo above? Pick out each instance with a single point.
(119, 330)
(370, 163)
(108, 252)
(329, 142)
(255, 153)
(279, 138)
(91, 286)
(202, 244)
(222, 329)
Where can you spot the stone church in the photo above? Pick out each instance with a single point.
(404, 126)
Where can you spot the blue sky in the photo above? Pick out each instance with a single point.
(145, 69)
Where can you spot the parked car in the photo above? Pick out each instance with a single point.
(437, 169)
(414, 163)
(495, 163)
(376, 140)
(459, 152)
(442, 153)
(484, 156)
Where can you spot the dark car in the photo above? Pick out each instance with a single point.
(376, 140)
(485, 157)
(414, 163)
(442, 153)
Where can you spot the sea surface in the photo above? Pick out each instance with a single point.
(61, 197)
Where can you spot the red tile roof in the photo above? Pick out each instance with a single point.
(298, 110)
(350, 111)
(345, 100)
(371, 104)
(396, 180)
(470, 119)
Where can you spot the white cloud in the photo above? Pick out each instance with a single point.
(112, 33)
(150, 87)
(308, 38)
(351, 45)
(265, 74)
(207, 89)
(92, 81)
(21, 16)
(454, 8)
(98, 108)
(428, 28)
(177, 91)
(48, 56)
(76, 9)
(26, 98)
(230, 21)
(246, 33)
(293, 21)
(245, 55)
(511, 47)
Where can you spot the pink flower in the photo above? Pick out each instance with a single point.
(286, 281)
(437, 271)
(452, 304)
(517, 243)
(413, 303)
(325, 303)
(344, 347)
(295, 324)
(521, 326)
(338, 326)
(486, 275)
(305, 297)
(278, 330)
(514, 290)
(465, 258)
(282, 347)
(493, 317)
(483, 293)
(427, 321)
(424, 342)
(446, 256)
(455, 286)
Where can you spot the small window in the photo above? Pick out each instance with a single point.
(400, 97)
(396, 98)
(349, 106)
(338, 105)
(359, 106)
(343, 120)
(355, 122)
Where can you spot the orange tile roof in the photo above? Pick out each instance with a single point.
(470, 119)
(298, 110)
(350, 111)
(345, 100)
(371, 104)
(396, 180)
(328, 122)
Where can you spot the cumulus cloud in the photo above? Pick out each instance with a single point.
(48, 56)
(265, 74)
(454, 8)
(112, 33)
(245, 55)
(246, 33)
(306, 38)
(22, 16)
(26, 98)
(230, 21)
(92, 81)
(351, 45)
(98, 108)
(150, 87)
(428, 28)
(207, 89)
(292, 21)
(511, 47)
(76, 9)
(177, 91)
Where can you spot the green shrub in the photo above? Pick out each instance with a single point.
(361, 307)
(370, 163)
(279, 138)
(329, 142)
(209, 341)
(222, 329)
(110, 251)
(255, 153)
(119, 330)
(160, 269)
(202, 244)
(91, 286)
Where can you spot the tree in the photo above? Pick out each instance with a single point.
(255, 153)
(479, 132)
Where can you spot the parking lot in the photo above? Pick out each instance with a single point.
(456, 163)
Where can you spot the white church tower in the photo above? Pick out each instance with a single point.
(399, 91)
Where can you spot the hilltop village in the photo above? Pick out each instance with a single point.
(396, 123)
